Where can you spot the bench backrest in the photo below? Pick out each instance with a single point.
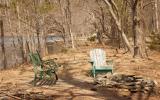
(98, 56)
(35, 58)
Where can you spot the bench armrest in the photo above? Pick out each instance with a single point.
(51, 64)
(91, 62)
(109, 60)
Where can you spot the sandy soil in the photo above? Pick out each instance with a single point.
(74, 81)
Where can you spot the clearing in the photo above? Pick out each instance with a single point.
(75, 83)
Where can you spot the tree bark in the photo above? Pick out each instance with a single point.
(156, 16)
(4, 59)
(20, 35)
(134, 26)
(43, 41)
(38, 35)
(138, 35)
(69, 22)
(37, 21)
(64, 36)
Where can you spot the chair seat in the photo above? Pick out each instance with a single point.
(103, 68)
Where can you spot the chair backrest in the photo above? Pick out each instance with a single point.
(98, 56)
(35, 58)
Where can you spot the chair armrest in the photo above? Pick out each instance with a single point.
(53, 59)
(49, 61)
(109, 60)
(51, 64)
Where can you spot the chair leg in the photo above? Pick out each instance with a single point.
(54, 77)
(94, 73)
(41, 75)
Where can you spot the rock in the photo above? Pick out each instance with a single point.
(94, 89)
(148, 88)
(155, 82)
(124, 92)
(130, 82)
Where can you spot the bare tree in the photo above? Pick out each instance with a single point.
(138, 35)
(69, 21)
(37, 18)
(114, 13)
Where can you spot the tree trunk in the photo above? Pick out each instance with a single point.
(4, 60)
(20, 41)
(138, 35)
(37, 16)
(101, 31)
(64, 35)
(99, 36)
(69, 22)
(38, 35)
(134, 27)
(156, 16)
(30, 42)
(43, 41)
(15, 50)
(20, 35)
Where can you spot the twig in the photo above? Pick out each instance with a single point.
(15, 97)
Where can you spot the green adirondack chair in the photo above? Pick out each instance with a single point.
(43, 69)
(99, 62)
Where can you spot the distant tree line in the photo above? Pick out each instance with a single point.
(125, 23)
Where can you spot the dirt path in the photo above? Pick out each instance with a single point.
(74, 81)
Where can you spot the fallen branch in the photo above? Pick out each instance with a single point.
(15, 97)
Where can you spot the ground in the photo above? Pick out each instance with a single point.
(75, 82)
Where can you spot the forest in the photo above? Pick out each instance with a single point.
(42, 38)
